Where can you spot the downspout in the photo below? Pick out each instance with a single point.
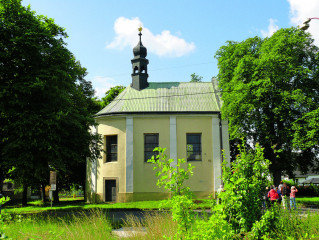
(221, 144)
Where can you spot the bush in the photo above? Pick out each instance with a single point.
(290, 182)
(216, 227)
(245, 183)
(308, 191)
(265, 226)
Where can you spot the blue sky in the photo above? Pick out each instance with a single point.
(182, 37)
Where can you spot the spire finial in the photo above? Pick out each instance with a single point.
(140, 33)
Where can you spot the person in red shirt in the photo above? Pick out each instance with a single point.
(273, 195)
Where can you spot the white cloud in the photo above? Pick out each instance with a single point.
(102, 84)
(164, 44)
(300, 11)
(272, 27)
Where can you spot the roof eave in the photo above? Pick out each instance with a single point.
(156, 112)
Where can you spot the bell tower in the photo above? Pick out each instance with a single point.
(139, 65)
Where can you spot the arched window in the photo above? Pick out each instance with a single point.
(143, 70)
(135, 70)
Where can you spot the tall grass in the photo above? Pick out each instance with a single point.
(84, 226)
(154, 226)
(298, 225)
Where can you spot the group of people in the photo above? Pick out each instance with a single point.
(281, 194)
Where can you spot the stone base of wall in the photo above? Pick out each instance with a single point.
(141, 196)
(144, 196)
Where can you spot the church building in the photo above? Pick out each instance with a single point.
(183, 117)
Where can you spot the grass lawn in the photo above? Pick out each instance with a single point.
(70, 204)
(79, 204)
(308, 201)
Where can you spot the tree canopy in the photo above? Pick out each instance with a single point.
(110, 95)
(269, 86)
(46, 104)
(196, 78)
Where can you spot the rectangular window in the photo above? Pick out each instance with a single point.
(111, 148)
(150, 142)
(194, 146)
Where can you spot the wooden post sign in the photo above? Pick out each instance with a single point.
(53, 180)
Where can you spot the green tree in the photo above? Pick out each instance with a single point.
(196, 78)
(245, 182)
(268, 84)
(307, 129)
(45, 102)
(110, 95)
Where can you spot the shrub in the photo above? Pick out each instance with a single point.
(290, 182)
(266, 225)
(216, 227)
(245, 181)
(308, 191)
(172, 178)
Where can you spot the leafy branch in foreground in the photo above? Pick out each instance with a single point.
(171, 176)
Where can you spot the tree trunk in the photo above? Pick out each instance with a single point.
(1, 183)
(43, 192)
(277, 176)
(56, 195)
(25, 195)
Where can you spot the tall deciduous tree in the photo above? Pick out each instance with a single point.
(267, 86)
(45, 102)
(110, 95)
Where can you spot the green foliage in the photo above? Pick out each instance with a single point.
(266, 225)
(3, 218)
(110, 95)
(3, 200)
(240, 214)
(46, 104)
(196, 78)
(245, 181)
(308, 190)
(290, 182)
(183, 214)
(216, 227)
(171, 176)
(307, 130)
(267, 88)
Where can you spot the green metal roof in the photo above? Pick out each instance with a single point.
(166, 97)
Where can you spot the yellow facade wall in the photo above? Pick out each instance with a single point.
(202, 180)
(144, 175)
(112, 170)
(144, 179)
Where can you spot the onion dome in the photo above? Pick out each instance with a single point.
(140, 51)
